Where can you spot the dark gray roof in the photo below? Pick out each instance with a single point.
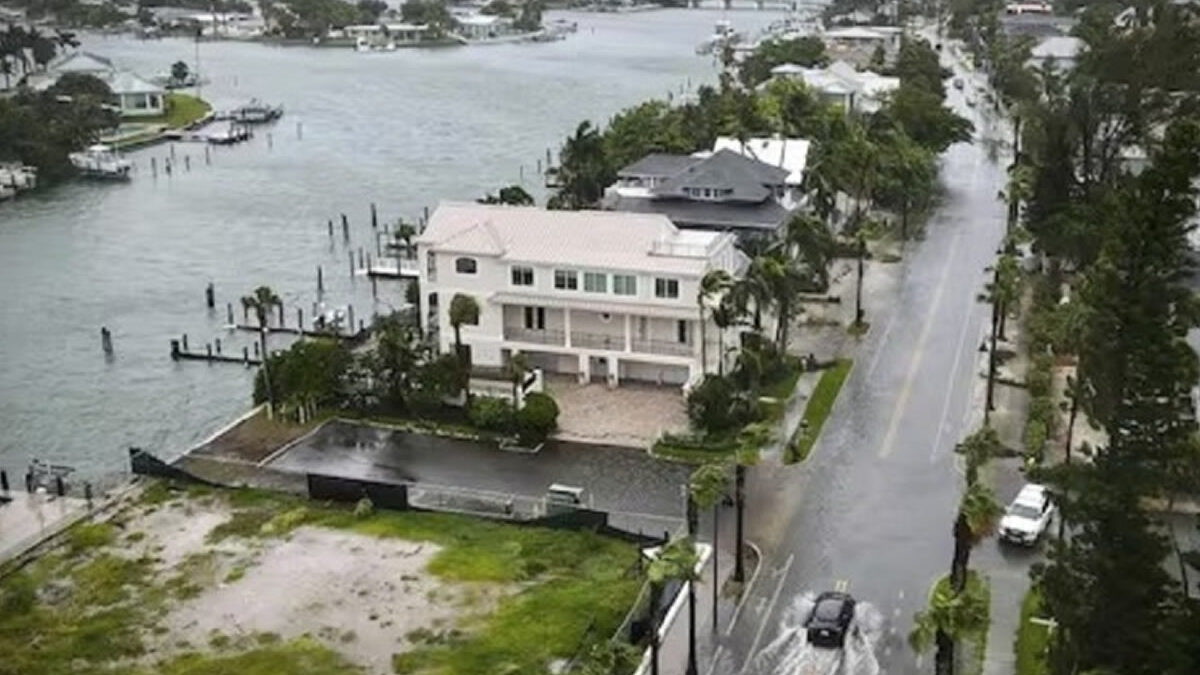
(747, 177)
(659, 165)
(766, 215)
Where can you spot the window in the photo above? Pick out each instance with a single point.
(535, 318)
(666, 288)
(642, 328)
(431, 265)
(522, 276)
(624, 284)
(595, 282)
(466, 265)
(566, 280)
(681, 331)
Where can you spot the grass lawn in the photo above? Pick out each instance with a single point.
(1032, 639)
(824, 394)
(182, 110)
(89, 606)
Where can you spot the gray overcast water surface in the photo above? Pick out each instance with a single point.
(403, 129)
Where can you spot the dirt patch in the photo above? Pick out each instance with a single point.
(253, 439)
(359, 595)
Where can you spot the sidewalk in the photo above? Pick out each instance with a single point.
(673, 649)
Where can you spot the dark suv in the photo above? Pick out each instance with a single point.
(830, 619)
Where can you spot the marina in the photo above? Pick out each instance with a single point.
(404, 131)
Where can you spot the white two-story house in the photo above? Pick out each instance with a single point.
(600, 295)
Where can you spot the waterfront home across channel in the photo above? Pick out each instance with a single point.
(601, 295)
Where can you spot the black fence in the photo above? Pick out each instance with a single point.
(382, 495)
(145, 464)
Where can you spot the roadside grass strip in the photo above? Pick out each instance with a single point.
(1032, 638)
(818, 408)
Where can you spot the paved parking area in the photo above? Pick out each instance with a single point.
(631, 415)
(614, 479)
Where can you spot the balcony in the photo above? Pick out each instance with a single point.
(541, 337)
(666, 347)
(613, 343)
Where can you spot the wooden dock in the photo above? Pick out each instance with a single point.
(178, 353)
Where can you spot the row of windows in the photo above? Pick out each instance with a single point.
(568, 280)
(535, 319)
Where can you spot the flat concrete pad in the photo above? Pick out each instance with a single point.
(633, 414)
(29, 518)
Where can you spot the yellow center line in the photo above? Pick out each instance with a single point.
(914, 366)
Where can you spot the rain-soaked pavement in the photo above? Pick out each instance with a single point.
(871, 509)
(616, 479)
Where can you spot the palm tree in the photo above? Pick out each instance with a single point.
(750, 442)
(517, 366)
(978, 514)
(405, 232)
(753, 290)
(675, 561)
(813, 244)
(463, 309)
(714, 282)
(949, 617)
(707, 488)
(724, 315)
(262, 301)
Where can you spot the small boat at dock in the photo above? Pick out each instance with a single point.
(101, 161)
(254, 112)
(15, 178)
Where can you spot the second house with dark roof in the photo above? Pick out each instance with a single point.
(748, 188)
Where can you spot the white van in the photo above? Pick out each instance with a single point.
(1028, 516)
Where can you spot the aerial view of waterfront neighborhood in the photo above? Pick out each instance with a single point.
(599, 337)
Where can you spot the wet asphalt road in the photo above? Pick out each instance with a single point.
(872, 507)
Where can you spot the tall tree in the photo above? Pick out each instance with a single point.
(262, 302)
(712, 285)
(464, 309)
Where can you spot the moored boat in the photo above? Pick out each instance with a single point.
(101, 161)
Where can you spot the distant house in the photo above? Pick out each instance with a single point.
(731, 188)
(858, 44)
(840, 83)
(483, 26)
(1062, 50)
(133, 96)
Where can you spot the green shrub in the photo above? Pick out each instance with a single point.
(493, 414)
(537, 418)
(1035, 438)
(715, 406)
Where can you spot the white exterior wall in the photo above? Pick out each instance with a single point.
(658, 356)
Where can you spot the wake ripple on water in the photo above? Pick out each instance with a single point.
(791, 654)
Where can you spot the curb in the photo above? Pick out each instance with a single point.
(737, 611)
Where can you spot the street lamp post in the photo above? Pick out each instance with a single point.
(858, 310)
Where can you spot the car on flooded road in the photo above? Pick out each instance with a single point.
(830, 619)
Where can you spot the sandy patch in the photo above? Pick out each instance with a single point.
(173, 531)
(358, 594)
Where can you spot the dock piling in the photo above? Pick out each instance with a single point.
(185, 347)
(280, 315)
(374, 287)
(256, 350)
(106, 340)
(210, 296)
(368, 262)
(167, 166)
(218, 341)
(300, 319)
(172, 149)
(330, 221)
(374, 217)
(229, 313)
(350, 315)
(345, 228)
(187, 162)
(208, 349)
(3, 480)
(154, 167)
(174, 350)
(320, 281)
(207, 155)
(246, 355)
(379, 244)
(426, 214)
(351, 254)
(60, 488)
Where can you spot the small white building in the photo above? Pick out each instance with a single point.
(596, 294)
(134, 96)
(483, 26)
(841, 83)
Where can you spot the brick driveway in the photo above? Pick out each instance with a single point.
(632, 415)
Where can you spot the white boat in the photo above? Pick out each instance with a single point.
(254, 112)
(723, 34)
(101, 161)
(18, 177)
